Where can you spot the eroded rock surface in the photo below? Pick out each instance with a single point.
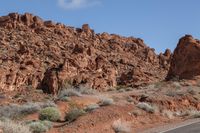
(185, 63)
(46, 55)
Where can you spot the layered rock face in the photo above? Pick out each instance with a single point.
(185, 63)
(46, 55)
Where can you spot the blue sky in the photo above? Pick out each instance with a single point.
(160, 23)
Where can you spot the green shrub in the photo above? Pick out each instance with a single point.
(50, 113)
(73, 114)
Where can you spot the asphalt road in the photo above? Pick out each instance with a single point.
(192, 128)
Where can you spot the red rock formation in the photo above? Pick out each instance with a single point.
(185, 63)
(46, 55)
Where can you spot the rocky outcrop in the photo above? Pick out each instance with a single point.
(185, 63)
(47, 55)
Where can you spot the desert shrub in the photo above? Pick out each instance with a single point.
(136, 112)
(147, 107)
(73, 114)
(106, 101)
(76, 92)
(178, 113)
(176, 85)
(174, 93)
(121, 90)
(68, 93)
(158, 84)
(151, 86)
(48, 124)
(39, 126)
(111, 89)
(169, 114)
(14, 110)
(86, 90)
(128, 89)
(195, 114)
(65, 99)
(129, 99)
(191, 91)
(192, 113)
(91, 107)
(184, 113)
(11, 127)
(121, 127)
(50, 113)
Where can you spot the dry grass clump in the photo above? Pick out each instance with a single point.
(9, 126)
(169, 114)
(68, 93)
(121, 127)
(72, 91)
(147, 107)
(91, 107)
(106, 101)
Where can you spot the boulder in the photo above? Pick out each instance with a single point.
(185, 62)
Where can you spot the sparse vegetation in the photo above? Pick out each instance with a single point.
(72, 91)
(191, 91)
(173, 93)
(176, 85)
(136, 112)
(121, 90)
(169, 114)
(65, 99)
(184, 113)
(129, 99)
(50, 113)
(147, 107)
(11, 127)
(106, 101)
(121, 127)
(68, 93)
(14, 110)
(87, 91)
(158, 85)
(73, 114)
(39, 126)
(195, 114)
(128, 89)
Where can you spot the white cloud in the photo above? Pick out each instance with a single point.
(77, 4)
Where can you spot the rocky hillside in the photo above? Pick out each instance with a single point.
(47, 55)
